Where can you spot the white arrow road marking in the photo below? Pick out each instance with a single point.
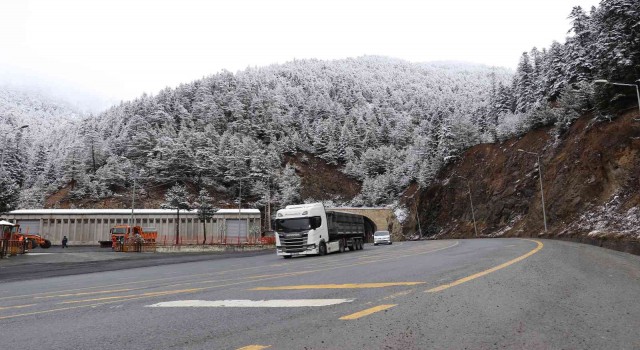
(252, 303)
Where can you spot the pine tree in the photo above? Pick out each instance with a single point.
(579, 47)
(9, 192)
(289, 186)
(204, 205)
(524, 87)
(177, 198)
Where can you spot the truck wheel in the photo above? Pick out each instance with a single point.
(360, 244)
(46, 244)
(322, 250)
(342, 246)
(287, 256)
(352, 247)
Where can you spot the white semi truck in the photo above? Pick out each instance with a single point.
(309, 229)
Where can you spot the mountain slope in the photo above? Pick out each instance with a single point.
(591, 181)
(382, 122)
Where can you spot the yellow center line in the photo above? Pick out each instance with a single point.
(86, 293)
(486, 272)
(150, 294)
(15, 307)
(340, 286)
(367, 312)
(254, 347)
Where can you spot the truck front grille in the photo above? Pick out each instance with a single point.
(293, 244)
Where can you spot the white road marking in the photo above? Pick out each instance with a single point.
(252, 303)
(40, 254)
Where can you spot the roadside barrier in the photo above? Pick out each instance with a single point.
(136, 247)
(16, 247)
(3, 248)
(218, 241)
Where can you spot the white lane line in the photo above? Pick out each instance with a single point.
(252, 303)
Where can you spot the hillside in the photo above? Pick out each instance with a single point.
(372, 124)
(590, 177)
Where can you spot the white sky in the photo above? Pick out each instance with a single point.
(120, 49)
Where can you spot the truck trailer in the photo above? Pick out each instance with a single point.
(310, 229)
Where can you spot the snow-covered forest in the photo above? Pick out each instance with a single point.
(383, 121)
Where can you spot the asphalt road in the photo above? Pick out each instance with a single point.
(450, 294)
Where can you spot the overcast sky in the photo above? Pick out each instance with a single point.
(120, 49)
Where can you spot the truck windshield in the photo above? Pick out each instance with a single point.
(119, 230)
(298, 224)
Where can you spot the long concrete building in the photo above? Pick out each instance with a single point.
(90, 226)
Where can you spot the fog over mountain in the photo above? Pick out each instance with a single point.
(81, 98)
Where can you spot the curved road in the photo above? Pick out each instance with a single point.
(453, 294)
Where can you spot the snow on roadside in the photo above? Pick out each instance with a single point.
(609, 220)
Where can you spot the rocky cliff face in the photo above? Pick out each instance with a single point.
(590, 176)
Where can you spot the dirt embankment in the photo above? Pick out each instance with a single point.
(320, 180)
(591, 182)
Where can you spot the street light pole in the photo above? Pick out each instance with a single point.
(418, 218)
(544, 214)
(473, 215)
(604, 81)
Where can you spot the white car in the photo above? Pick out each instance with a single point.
(380, 237)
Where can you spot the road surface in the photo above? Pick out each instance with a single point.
(448, 294)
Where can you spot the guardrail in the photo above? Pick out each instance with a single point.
(167, 242)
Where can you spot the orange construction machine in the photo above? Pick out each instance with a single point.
(123, 233)
(33, 241)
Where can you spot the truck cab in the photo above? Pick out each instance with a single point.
(300, 229)
(309, 229)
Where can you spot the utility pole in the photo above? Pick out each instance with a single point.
(415, 203)
(268, 211)
(133, 202)
(473, 215)
(544, 214)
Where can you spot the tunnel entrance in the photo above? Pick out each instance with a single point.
(369, 229)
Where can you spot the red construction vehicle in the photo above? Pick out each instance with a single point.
(30, 241)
